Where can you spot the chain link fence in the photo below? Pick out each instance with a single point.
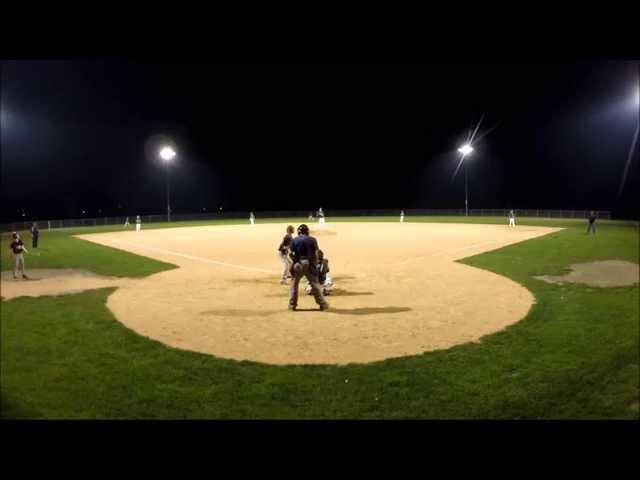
(482, 212)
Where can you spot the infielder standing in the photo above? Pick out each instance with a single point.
(138, 223)
(283, 254)
(252, 218)
(304, 252)
(512, 218)
(17, 247)
(401, 216)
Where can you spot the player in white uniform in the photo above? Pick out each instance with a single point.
(512, 218)
(252, 218)
(320, 218)
(401, 216)
(138, 223)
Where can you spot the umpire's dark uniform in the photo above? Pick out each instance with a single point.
(304, 254)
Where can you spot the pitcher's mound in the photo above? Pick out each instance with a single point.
(607, 273)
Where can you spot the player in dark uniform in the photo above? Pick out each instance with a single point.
(35, 234)
(283, 254)
(17, 247)
(592, 222)
(304, 254)
(324, 279)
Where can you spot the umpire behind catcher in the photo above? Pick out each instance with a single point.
(304, 254)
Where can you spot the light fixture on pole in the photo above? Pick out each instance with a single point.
(167, 154)
(465, 150)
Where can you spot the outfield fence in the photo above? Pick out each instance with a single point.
(202, 216)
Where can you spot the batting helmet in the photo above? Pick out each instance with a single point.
(303, 230)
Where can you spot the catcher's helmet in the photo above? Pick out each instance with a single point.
(303, 230)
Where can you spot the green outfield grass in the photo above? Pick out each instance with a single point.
(575, 356)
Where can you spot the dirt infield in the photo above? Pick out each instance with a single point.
(397, 291)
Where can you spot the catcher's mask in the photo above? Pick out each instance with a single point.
(303, 230)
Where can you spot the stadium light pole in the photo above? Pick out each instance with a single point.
(465, 150)
(167, 154)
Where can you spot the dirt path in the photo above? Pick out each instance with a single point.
(398, 291)
(607, 273)
(59, 281)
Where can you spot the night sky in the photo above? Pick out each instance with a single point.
(75, 136)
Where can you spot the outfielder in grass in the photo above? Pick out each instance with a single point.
(304, 254)
(591, 227)
(35, 235)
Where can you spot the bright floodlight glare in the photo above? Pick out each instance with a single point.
(465, 149)
(167, 153)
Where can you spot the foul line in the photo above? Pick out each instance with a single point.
(197, 259)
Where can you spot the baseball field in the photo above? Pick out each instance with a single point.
(438, 317)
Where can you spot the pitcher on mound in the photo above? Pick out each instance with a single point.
(320, 218)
